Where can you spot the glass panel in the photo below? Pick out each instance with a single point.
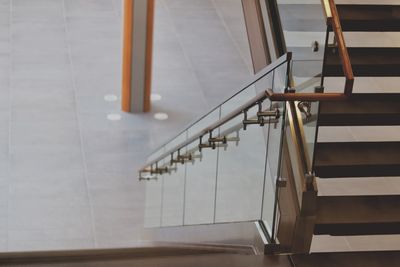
(309, 113)
(275, 133)
(174, 186)
(203, 123)
(201, 179)
(156, 154)
(176, 141)
(239, 100)
(200, 189)
(153, 201)
(303, 24)
(310, 129)
(306, 75)
(280, 79)
(241, 166)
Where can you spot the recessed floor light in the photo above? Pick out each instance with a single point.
(161, 116)
(155, 97)
(110, 98)
(114, 117)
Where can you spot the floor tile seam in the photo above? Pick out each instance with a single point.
(74, 85)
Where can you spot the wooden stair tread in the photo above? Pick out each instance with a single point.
(366, 61)
(358, 215)
(361, 109)
(373, 18)
(357, 159)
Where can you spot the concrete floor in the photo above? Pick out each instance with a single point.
(67, 173)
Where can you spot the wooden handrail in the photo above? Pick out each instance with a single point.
(333, 20)
(268, 94)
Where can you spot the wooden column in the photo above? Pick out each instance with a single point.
(256, 34)
(138, 29)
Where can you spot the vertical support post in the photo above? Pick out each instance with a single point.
(138, 27)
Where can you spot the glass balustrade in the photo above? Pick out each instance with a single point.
(304, 28)
(304, 31)
(225, 167)
(226, 173)
(201, 176)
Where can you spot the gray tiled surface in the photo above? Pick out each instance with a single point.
(67, 174)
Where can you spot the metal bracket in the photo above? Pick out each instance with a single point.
(208, 145)
(182, 159)
(173, 161)
(305, 108)
(261, 115)
(160, 171)
(214, 142)
(149, 177)
(185, 158)
(219, 139)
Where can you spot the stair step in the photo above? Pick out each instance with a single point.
(371, 18)
(366, 61)
(362, 110)
(348, 259)
(357, 159)
(358, 215)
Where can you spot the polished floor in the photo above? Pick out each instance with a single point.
(67, 172)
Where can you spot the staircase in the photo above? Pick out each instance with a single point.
(304, 215)
(358, 214)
